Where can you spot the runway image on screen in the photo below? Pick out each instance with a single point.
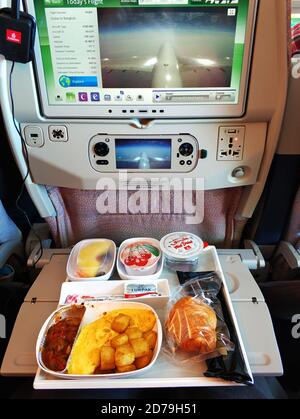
(167, 47)
(143, 154)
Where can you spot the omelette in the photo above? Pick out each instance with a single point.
(85, 355)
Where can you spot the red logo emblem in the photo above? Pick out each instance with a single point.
(13, 36)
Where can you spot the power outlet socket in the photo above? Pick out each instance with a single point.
(231, 143)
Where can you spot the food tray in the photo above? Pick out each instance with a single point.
(165, 373)
(93, 311)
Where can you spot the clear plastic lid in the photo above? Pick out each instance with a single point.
(93, 258)
(181, 246)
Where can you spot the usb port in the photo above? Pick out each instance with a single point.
(232, 131)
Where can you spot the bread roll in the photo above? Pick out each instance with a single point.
(191, 325)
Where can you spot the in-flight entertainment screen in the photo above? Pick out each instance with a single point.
(133, 52)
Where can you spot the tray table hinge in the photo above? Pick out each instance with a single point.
(250, 244)
(251, 256)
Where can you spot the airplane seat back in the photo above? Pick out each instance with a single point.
(293, 229)
(78, 216)
(63, 176)
(281, 270)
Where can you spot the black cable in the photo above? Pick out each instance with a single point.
(15, 8)
(26, 158)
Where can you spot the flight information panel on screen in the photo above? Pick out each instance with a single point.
(174, 52)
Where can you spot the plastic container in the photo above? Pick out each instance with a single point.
(181, 251)
(95, 310)
(124, 275)
(92, 260)
(140, 256)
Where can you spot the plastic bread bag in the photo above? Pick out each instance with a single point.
(198, 328)
(195, 326)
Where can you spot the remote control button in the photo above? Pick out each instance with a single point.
(186, 149)
(102, 162)
(101, 149)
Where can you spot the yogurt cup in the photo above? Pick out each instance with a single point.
(140, 256)
(181, 250)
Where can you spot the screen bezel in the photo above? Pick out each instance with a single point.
(154, 111)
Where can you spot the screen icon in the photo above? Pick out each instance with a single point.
(231, 12)
(95, 97)
(70, 97)
(157, 97)
(107, 97)
(65, 81)
(83, 97)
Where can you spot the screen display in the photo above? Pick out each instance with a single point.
(110, 52)
(143, 154)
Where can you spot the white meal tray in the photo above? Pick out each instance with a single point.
(165, 372)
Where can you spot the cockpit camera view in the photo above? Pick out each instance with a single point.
(143, 155)
(167, 47)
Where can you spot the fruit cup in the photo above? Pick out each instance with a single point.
(140, 256)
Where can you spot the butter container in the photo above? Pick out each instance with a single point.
(140, 289)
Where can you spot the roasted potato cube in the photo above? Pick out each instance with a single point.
(143, 361)
(119, 340)
(151, 338)
(120, 323)
(147, 321)
(134, 333)
(124, 355)
(140, 347)
(126, 368)
(107, 358)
